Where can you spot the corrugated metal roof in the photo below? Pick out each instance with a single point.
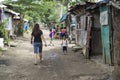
(11, 11)
(77, 8)
(64, 17)
(2, 6)
(98, 4)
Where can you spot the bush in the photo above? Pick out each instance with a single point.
(4, 32)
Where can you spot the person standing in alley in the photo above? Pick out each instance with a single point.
(38, 37)
(64, 45)
(51, 34)
(63, 32)
(57, 29)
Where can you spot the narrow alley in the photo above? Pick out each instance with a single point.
(17, 63)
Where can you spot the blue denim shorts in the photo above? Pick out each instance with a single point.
(37, 47)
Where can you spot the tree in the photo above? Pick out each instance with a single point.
(42, 10)
(36, 10)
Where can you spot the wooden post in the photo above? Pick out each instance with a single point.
(116, 26)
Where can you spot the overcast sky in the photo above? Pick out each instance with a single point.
(1, 0)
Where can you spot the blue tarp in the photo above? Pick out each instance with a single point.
(64, 17)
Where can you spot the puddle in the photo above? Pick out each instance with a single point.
(4, 62)
(52, 55)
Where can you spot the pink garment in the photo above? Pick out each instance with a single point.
(63, 30)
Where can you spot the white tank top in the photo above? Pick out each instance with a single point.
(64, 43)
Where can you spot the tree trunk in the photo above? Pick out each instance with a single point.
(116, 26)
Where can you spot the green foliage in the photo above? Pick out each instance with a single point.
(20, 28)
(41, 10)
(4, 32)
(37, 11)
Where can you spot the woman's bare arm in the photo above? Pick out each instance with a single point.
(42, 37)
(31, 39)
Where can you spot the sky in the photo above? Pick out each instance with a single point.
(1, 0)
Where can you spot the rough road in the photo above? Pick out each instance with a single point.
(17, 63)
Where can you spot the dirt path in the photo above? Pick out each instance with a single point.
(17, 64)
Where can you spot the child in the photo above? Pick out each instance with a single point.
(64, 45)
(51, 38)
(63, 32)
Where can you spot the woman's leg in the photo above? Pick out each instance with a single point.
(40, 51)
(35, 53)
(40, 54)
(35, 59)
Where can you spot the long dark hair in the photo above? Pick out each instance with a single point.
(36, 29)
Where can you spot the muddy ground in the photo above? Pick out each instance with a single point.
(17, 63)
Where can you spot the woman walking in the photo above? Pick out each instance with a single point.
(38, 37)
